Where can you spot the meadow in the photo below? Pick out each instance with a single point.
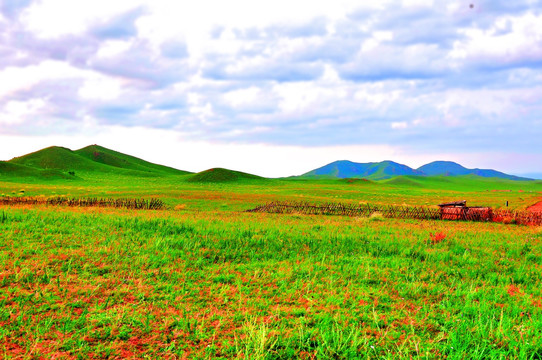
(203, 279)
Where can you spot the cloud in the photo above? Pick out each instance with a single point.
(11, 9)
(509, 42)
(120, 26)
(261, 68)
(16, 112)
(51, 19)
(101, 88)
(418, 74)
(137, 61)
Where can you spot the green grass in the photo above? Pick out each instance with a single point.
(15, 172)
(206, 280)
(217, 285)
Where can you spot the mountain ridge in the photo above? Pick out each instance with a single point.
(90, 159)
(60, 162)
(387, 169)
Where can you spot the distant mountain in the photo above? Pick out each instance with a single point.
(446, 168)
(347, 169)
(449, 168)
(388, 169)
(93, 159)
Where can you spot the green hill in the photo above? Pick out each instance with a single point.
(403, 181)
(92, 159)
(222, 175)
(9, 171)
(467, 183)
(116, 159)
(57, 158)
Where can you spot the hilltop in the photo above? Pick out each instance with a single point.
(347, 169)
(450, 168)
(116, 159)
(61, 161)
(220, 175)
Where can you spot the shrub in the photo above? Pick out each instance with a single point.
(376, 216)
(436, 238)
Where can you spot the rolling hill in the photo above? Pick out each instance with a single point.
(12, 171)
(347, 169)
(449, 168)
(57, 158)
(90, 159)
(116, 159)
(389, 169)
(62, 163)
(220, 175)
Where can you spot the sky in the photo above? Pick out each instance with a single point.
(276, 88)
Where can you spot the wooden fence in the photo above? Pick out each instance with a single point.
(127, 203)
(404, 212)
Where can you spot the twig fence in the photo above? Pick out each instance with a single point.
(403, 212)
(126, 203)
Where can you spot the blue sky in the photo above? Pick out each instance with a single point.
(276, 87)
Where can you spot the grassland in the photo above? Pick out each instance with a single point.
(203, 279)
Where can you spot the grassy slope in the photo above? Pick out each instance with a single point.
(15, 172)
(241, 195)
(57, 158)
(106, 163)
(116, 159)
(224, 283)
(107, 284)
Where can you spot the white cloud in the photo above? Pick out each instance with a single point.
(376, 95)
(509, 39)
(417, 3)
(200, 107)
(306, 97)
(194, 21)
(100, 88)
(282, 72)
(18, 112)
(112, 48)
(95, 85)
(55, 18)
(243, 97)
(497, 103)
(13, 79)
(399, 125)
(377, 38)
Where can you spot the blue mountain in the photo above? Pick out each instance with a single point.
(387, 169)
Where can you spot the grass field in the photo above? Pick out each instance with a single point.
(203, 279)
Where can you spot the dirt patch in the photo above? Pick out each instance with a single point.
(536, 207)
